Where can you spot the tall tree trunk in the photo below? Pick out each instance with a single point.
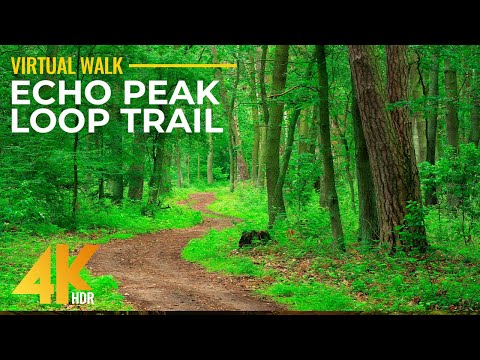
(417, 120)
(266, 115)
(178, 163)
(275, 201)
(75, 148)
(303, 135)
(286, 156)
(117, 174)
(451, 90)
(165, 177)
(228, 105)
(187, 164)
(198, 167)
(326, 149)
(367, 208)
(474, 136)
(430, 192)
(158, 154)
(136, 172)
(255, 117)
(346, 147)
(210, 160)
(389, 143)
(116, 144)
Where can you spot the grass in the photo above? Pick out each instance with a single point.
(96, 225)
(302, 270)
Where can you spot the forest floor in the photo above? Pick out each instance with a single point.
(153, 276)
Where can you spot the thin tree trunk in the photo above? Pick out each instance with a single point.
(474, 136)
(198, 167)
(75, 145)
(417, 120)
(367, 210)
(255, 117)
(210, 160)
(187, 164)
(303, 136)
(156, 179)
(326, 149)
(178, 162)
(228, 105)
(165, 177)
(286, 155)
(389, 142)
(451, 90)
(136, 173)
(275, 202)
(100, 152)
(348, 173)
(430, 192)
(116, 145)
(266, 116)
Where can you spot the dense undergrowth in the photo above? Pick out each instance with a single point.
(20, 247)
(301, 269)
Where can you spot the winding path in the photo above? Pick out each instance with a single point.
(153, 276)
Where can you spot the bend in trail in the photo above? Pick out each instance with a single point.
(153, 276)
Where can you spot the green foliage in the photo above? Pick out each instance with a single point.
(20, 249)
(311, 297)
(302, 270)
(456, 176)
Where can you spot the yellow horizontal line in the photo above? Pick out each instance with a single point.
(182, 65)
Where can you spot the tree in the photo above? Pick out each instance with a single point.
(255, 117)
(228, 105)
(451, 90)
(136, 172)
(389, 143)
(210, 160)
(276, 203)
(367, 208)
(266, 116)
(474, 136)
(417, 120)
(326, 150)
(430, 197)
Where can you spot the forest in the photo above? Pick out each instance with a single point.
(361, 162)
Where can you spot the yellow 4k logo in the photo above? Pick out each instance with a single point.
(65, 274)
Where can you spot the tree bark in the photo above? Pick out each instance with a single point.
(178, 163)
(326, 149)
(430, 192)
(156, 179)
(416, 118)
(303, 136)
(255, 117)
(389, 142)
(266, 116)
(198, 167)
(348, 174)
(136, 173)
(367, 208)
(228, 105)
(187, 164)
(474, 136)
(451, 90)
(275, 202)
(75, 144)
(210, 160)
(286, 156)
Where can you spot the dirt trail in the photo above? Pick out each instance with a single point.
(153, 276)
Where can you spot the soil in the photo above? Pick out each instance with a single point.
(153, 276)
